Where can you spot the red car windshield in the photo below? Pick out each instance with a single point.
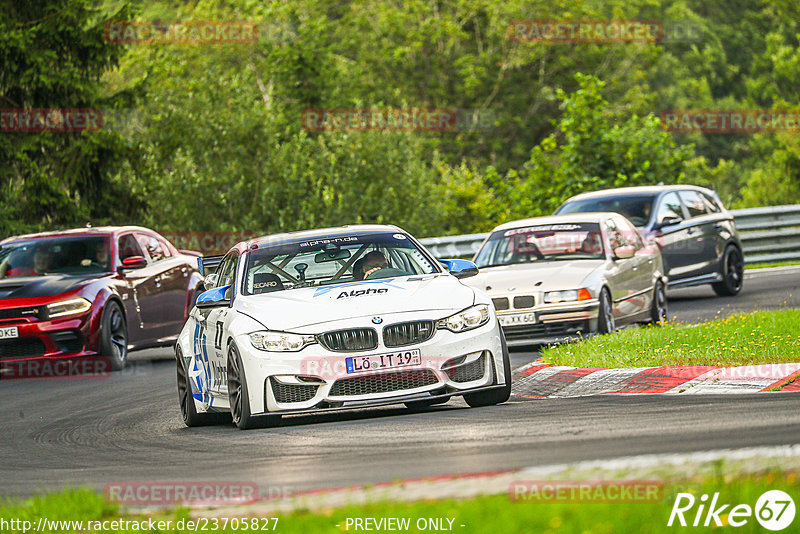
(60, 255)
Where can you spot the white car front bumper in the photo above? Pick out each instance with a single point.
(274, 385)
(552, 323)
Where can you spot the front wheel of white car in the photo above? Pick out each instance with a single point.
(495, 396)
(239, 398)
(188, 411)
(658, 309)
(605, 314)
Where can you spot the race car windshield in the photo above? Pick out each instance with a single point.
(637, 208)
(543, 243)
(63, 255)
(333, 260)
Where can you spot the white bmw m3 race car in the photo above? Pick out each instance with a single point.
(338, 318)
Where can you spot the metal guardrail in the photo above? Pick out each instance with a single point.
(768, 235)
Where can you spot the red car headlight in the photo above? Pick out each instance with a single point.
(68, 307)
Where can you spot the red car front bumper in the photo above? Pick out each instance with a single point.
(41, 337)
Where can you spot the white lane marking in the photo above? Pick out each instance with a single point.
(729, 386)
(534, 363)
(739, 379)
(675, 459)
(602, 381)
(640, 467)
(521, 385)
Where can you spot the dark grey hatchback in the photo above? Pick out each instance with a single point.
(696, 234)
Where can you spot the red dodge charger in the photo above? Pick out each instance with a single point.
(92, 292)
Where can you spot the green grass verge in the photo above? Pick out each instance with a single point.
(758, 337)
(496, 514)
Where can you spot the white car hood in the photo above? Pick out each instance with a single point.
(295, 308)
(553, 275)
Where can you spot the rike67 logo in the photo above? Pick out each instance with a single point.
(774, 510)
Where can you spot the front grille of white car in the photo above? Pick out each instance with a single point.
(293, 392)
(349, 340)
(500, 303)
(523, 301)
(383, 383)
(468, 372)
(399, 335)
(520, 302)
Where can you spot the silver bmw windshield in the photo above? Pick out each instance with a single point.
(541, 243)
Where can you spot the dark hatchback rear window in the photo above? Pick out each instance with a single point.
(637, 208)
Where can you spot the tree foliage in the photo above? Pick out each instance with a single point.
(210, 137)
(52, 55)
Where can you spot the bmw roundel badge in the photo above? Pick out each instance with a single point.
(377, 320)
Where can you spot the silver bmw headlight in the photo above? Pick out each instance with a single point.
(466, 320)
(280, 341)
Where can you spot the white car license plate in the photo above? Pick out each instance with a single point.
(519, 318)
(9, 332)
(383, 361)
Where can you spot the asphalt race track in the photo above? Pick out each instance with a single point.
(127, 427)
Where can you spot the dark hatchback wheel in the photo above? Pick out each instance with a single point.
(732, 271)
(114, 336)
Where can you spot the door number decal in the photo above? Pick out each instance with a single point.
(218, 336)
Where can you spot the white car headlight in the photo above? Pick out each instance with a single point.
(570, 295)
(466, 320)
(68, 307)
(280, 341)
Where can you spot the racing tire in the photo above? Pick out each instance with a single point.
(605, 313)
(114, 336)
(241, 415)
(658, 310)
(732, 271)
(495, 396)
(188, 410)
